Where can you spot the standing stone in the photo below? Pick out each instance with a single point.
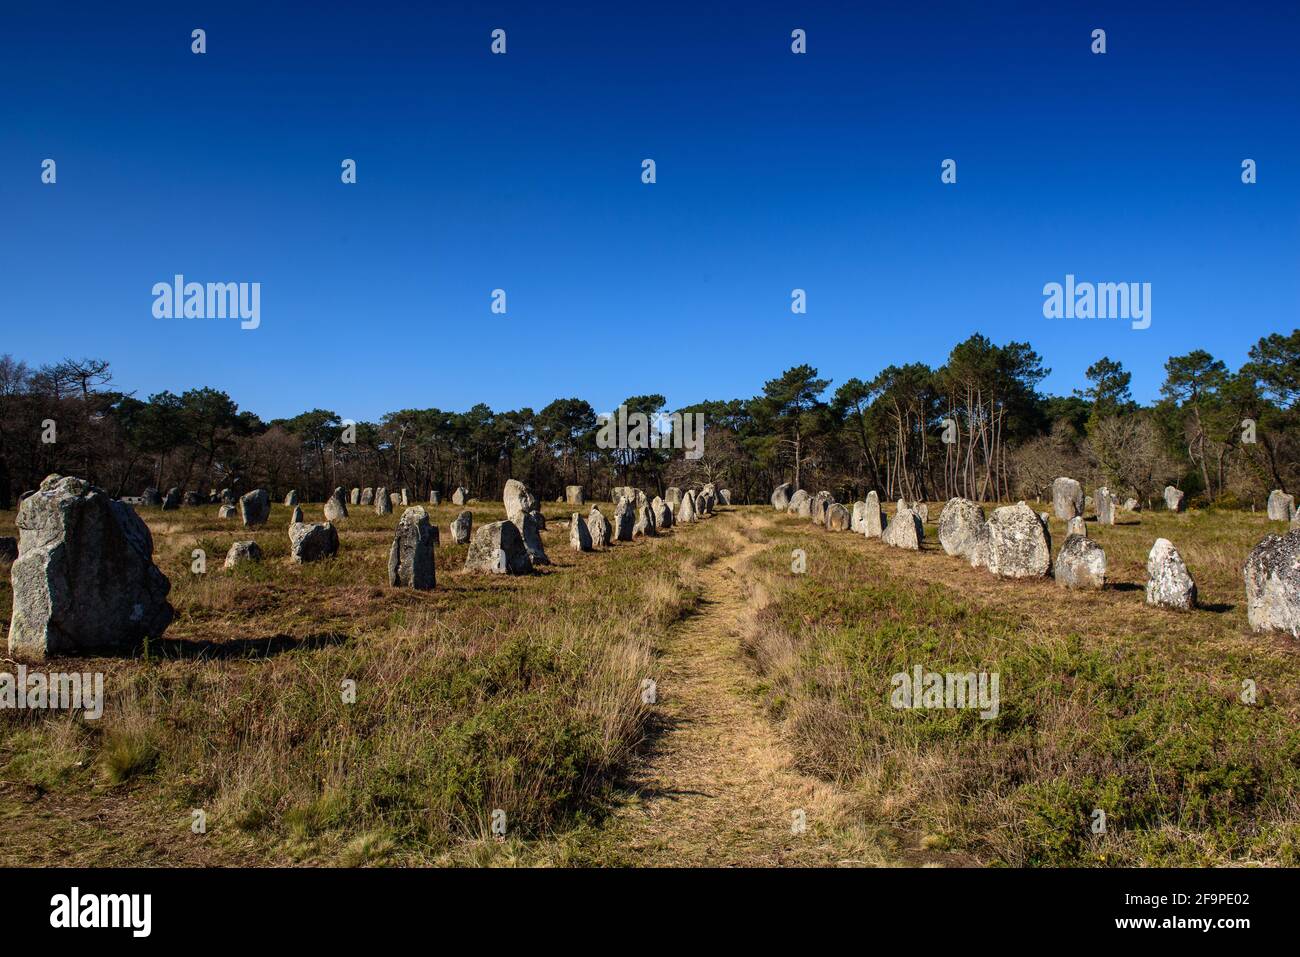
(1169, 585)
(255, 507)
(367, 496)
(1014, 544)
(354, 497)
(460, 496)
(904, 529)
(817, 510)
(663, 513)
(394, 499)
(579, 534)
(685, 513)
(529, 527)
(1272, 576)
(228, 496)
(1067, 498)
(172, 500)
(623, 521)
(1281, 506)
(838, 518)
(84, 580)
(310, 542)
(598, 526)
(383, 504)
(873, 519)
(226, 511)
(151, 497)
(336, 506)
(1173, 499)
(1132, 505)
(645, 522)
(410, 560)
(518, 500)
(1081, 563)
(498, 549)
(921, 509)
(573, 496)
(290, 500)
(1077, 526)
(435, 497)
(724, 496)
(461, 526)
(800, 504)
(196, 498)
(859, 522)
(781, 496)
(296, 517)
(961, 525)
(242, 552)
(1105, 505)
(673, 496)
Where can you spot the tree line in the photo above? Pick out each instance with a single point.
(977, 426)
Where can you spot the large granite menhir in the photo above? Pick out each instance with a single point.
(84, 581)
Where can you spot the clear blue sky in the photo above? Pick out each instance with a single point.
(522, 171)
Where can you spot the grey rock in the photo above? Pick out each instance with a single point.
(383, 502)
(1173, 499)
(367, 496)
(460, 496)
(579, 534)
(904, 529)
(529, 526)
(1015, 543)
(336, 506)
(255, 507)
(859, 519)
(410, 559)
(685, 512)
(1081, 563)
(172, 500)
(961, 525)
(663, 513)
(873, 519)
(435, 497)
(1272, 574)
(311, 542)
(1132, 505)
(404, 497)
(817, 509)
(461, 526)
(573, 496)
(800, 504)
(673, 496)
(838, 518)
(296, 517)
(228, 497)
(621, 527)
(1067, 498)
(1105, 506)
(498, 549)
(1169, 584)
(84, 580)
(354, 497)
(227, 511)
(921, 509)
(724, 496)
(598, 526)
(645, 522)
(518, 500)
(1077, 526)
(192, 499)
(781, 496)
(242, 552)
(151, 497)
(394, 499)
(1281, 506)
(291, 499)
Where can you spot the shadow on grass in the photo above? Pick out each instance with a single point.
(268, 647)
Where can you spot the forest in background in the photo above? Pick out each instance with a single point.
(977, 427)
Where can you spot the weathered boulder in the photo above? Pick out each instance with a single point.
(529, 526)
(1169, 585)
(663, 514)
(498, 549)
(84, 580)
(394, 499)
(579, 534)
(838, 518)
(621, 527)
(573, 496)
(367, 496)
(1105, 506)
(435, 497)
(724, 496)
(1132, 505)
(1067, 498)
(255, 507)
(1081, 563)
(172, 500)
(354, 497)
(685, 512)
(1077, 526)
(781, 496)
(383, 502)
(461, 526)
(904, 529)
(817, 508)
(961, 523)
(193, 498)
(859, 520)
(800, 504)
(241, 552)
(517, 500)
(1272, 574)
(290, 500)
(151, 497)
(410, 560)
(873, 519)
(1015, 543)
(1173, 499)
(310, 542)
(404, 497)
(1281, 506)
(645, 522)
(227, 511)
(296, 517)
(921, 509)
(227, 496)
(336, 506)
(460, 496)
(598, 527)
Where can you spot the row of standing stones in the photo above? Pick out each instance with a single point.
(84, 579)
(1015, 542)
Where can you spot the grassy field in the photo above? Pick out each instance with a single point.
(524, 694)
